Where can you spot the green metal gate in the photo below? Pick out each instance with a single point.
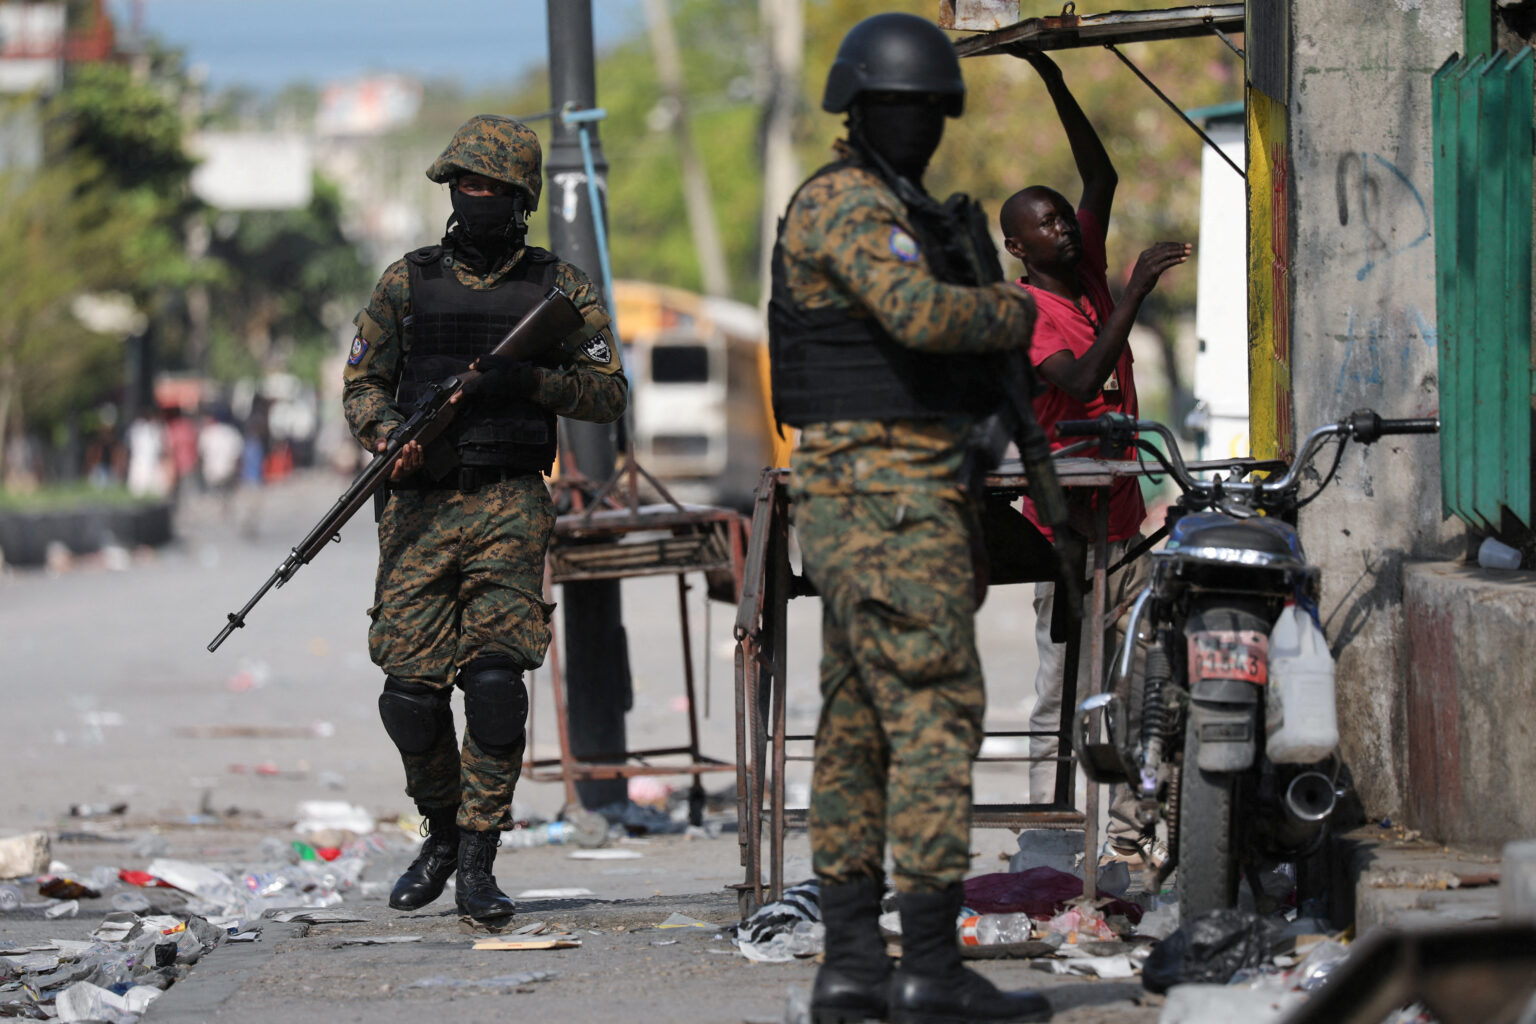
(1483, 139)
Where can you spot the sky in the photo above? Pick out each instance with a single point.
(265, 44)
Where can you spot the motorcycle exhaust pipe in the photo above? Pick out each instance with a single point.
(1310, 797)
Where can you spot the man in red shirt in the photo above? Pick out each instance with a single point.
(1081, 350)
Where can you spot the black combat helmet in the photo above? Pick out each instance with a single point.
(894, 52)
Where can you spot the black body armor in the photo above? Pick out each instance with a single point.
(827, 364)
(451, 326)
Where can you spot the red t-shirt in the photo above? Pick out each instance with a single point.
(1062, 325)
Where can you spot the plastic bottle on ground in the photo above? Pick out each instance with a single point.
(10, 898)
(554, 833)
(995, 929)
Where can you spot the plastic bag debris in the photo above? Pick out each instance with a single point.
(1222, 1004)
(25, 855)
(319, 916)
(1211, 948)
(83, 1001)
(780, 932)
(337, 815)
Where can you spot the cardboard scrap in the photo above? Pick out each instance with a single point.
(534, 942)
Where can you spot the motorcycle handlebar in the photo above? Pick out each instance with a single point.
(1084, 428)
(1364, 426)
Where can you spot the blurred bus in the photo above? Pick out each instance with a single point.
(700, 415)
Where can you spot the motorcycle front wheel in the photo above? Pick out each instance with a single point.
(1208, 814)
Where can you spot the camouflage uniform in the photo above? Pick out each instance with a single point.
(461, 573)
(885, 530)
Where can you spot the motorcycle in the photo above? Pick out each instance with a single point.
(1234, 748)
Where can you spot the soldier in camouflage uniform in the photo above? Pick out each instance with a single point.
(885, 303)
(463, 536)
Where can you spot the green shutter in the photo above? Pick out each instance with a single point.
(1483, 145)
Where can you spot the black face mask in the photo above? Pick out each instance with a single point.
(905, 134)
(490, 222)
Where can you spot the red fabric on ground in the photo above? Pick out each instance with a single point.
(1039, 892)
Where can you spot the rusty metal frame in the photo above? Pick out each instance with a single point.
(769, 583)
(1071, 30)
(609, 540)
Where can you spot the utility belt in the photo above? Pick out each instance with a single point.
(465, 479)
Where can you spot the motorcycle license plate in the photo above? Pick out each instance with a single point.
(1240, 654)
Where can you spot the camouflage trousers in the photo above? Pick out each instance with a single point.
(460, 577)
(901, 686)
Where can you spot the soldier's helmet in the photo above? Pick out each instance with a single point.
(499, 148)
(894, 52)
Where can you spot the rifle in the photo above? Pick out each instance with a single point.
(551, 320)
(970, 242)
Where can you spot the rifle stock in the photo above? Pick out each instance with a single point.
(555, 317)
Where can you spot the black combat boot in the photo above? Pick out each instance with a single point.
(423, 881)
(931, 986)
(477, 894)
(851, 984)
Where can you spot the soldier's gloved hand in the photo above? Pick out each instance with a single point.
(512, 378)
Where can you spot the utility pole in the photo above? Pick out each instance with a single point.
(598, 689)
(696, 196)
(783, 24)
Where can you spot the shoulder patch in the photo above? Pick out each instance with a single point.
(597, 349)
(359, 350)
(903, 245)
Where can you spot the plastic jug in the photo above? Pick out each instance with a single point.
(1300, 717)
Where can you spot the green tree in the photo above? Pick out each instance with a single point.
(285, 280)
(65, 239)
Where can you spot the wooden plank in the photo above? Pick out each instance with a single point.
(1073, 30)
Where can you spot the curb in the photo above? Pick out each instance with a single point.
(218, 975)
(1392, 878)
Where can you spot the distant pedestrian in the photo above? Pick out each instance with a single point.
(151, 473)
(219, 449)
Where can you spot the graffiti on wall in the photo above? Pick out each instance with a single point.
(1379, 203)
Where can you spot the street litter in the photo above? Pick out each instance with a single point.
(501, 981)
(25, 855)
(605, 854)
(554, 894)
(533, 942)
(1038, 892)
(533, 935)
(375, 940)
(781, 931)
(83, 1001)
(333, 815)
(57, 888)
(314, 916)
(1118, 966)
(1211, 948)
(683, 921)
(1210, 1004)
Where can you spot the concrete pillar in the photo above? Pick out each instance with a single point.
(1362, 334)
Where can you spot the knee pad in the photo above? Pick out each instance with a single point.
(414, 714)
(495, 703)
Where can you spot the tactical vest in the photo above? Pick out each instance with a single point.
(826, 364)
(452, 325)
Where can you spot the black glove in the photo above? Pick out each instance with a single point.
(507, 377)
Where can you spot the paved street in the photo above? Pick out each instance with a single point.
(114, 700)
